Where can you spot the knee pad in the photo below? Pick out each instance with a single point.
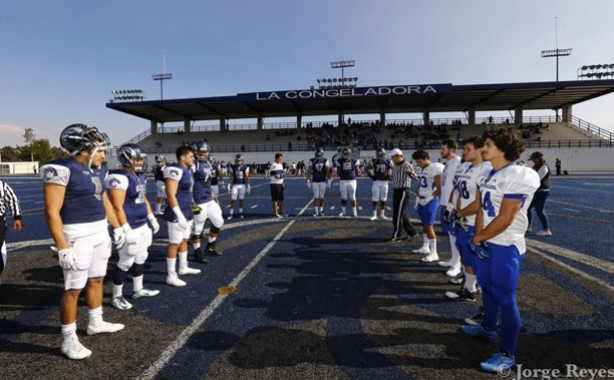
(214, 229)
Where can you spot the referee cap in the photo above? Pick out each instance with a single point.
(396, 152)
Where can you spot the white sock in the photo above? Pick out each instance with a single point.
(212, 239)
(433, 246)
(374, 212)
(69, 329)
(470, 282)
(183, 259)
(117, 290)
(158, 207)
(170, 265)
(455, 260)
(232, 211)
(196, 245)
(240, 210)
(354, 211)
(137, 283)
(95, 315)
(425, 241)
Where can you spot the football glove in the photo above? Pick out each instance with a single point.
(155, 226)
(248, 189)
(461, 223)
(131, 235)
(229, 189)
(425, 201)
(67, 258)
(119, 238)
(308, 184)
(182, 222)
(446, 214)
(482, 250)
(196, 209)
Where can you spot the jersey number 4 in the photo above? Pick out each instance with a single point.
(487, 205)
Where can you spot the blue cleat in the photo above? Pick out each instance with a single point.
(481, 332)
(498, 363)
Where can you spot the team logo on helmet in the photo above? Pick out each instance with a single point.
(131, 156)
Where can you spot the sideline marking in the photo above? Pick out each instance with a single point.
(182, 339)
(582, 258)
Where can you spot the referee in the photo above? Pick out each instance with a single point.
(7, 197)
(401, 177)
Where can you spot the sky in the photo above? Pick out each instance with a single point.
(60, 60)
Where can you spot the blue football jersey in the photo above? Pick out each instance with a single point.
(84, 188)
(239, 174)
(203, 175)
(347, 167)
(381, 169)
(135, 186)
(185, 188)
(318, 169)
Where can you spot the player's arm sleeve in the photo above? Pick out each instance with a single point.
(117, 182)
(173, 173)
(55, 174)
(521, 186)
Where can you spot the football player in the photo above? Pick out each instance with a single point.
(379, 171)
(217, 179)
(318, 175)
(502, 200)
(210, 209)
(467, 178)
(427, 202)
(128, 195)
(158, 172)
(77, 212)
(178, 214)
(238, 184)
(448, 153)
(348, 168)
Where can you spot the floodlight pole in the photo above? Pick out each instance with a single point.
(556, 52)
(163, 76)
(342, 65)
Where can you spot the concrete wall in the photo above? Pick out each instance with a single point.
(573, 159)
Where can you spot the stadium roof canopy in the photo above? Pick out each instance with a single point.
(371, 100)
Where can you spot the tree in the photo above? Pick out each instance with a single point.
(29, 135)
(8, 154)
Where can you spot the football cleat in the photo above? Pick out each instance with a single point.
(145, 293)
(430, 258)
(188, 270)
(212, 250)
(422, 251)
(383, 217)
(461, 295)
(120, 303)
(445, 263)
(460, 280)
(173, 280)
(476, 319)
(104, 327)
(241, 216)
(544, 233)
(498, 363)
(73, 349)
(229, 217)
(374, 217)
(453, 271)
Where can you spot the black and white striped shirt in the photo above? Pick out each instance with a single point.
(8, 197)
(400, 179)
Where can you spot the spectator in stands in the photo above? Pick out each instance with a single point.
(557, 165)
(289, 146)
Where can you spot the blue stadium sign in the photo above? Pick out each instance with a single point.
(348, 92)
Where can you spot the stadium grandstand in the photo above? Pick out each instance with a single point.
(175, 122)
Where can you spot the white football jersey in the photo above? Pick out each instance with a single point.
(447, 180)
(426, 178)
(467, 178)
(515, 182)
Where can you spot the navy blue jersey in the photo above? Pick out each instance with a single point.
(318, 169)
(239, 174)
(84, 188)
(135, 186)
(158, 172)
(214, 176)
(347, 166)
(203, 175)
(184, 195)
(381, 169)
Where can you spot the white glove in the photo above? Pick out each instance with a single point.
(229, 189)
(67, 258)
(416, 204)
(223, 185)
(425, 201)
(182, 222)
(119, 238)
(328, 183)
(249, 189)
(155, 226)
(308, 184)
(132, 237)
